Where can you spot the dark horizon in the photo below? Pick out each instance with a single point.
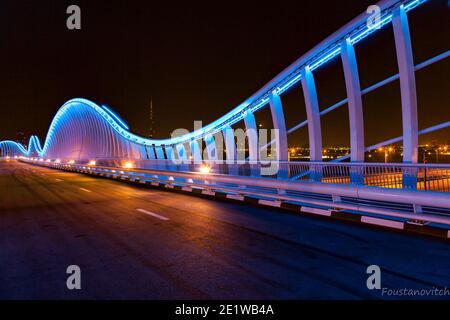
(197, 62)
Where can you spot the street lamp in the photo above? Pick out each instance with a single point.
(386, 153)
(437, 154)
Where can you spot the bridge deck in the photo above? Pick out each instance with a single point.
(206, 249)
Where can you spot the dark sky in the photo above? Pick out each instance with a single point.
(199, 60)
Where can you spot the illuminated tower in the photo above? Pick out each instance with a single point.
(151, 131)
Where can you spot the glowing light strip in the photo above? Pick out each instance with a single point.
(116, 117)
(33, 142)
(17, 145)
(369, 30)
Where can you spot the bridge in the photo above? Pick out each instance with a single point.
(88, 138)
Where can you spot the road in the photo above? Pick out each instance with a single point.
(134, 242)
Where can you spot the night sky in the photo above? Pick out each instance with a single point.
(197, 61)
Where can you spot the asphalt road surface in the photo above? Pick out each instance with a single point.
(134, 242)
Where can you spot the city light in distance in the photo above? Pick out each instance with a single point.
(58, 161)
(71, 162)
(92, 163)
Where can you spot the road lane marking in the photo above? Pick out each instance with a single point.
(86, 190)
(152, 214)
(58, 179)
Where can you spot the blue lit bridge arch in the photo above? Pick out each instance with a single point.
(83, 131)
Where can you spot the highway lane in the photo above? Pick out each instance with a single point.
(138, 243)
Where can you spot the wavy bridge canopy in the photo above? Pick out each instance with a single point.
(82, 130)
(10, 148)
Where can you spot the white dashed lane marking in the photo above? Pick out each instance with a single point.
(153, 214)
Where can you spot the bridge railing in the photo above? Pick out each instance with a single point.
(426, 177)
(398, 203)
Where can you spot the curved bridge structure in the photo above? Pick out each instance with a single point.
(10, 148)
(83, 132)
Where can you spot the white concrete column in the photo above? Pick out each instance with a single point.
(151, 152)
(159, 153)
(355, 109)
(173, 162)
(281, 142)
(196, 152)
(170, 153)
(252, 137)
(230, 147)
(181, 151)
(276, 109)
(312, 114)
(407, 85)
(211, 149)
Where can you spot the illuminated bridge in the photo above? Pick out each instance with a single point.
(90, 138)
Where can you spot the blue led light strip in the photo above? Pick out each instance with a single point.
(116, 117)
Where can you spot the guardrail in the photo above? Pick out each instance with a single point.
(408, 204)
(429, 177)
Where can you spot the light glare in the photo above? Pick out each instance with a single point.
(205, 169)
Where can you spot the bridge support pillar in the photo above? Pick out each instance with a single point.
(252, 137)
(172, 163)
(196, 152)
(230, 147)
(181, 151)
(211, 147)
(313, 117)
(150, 152)
(279, 124)
(182, 156)
(159, 153)
(160, 156)
(355, 109)
(408, 92)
